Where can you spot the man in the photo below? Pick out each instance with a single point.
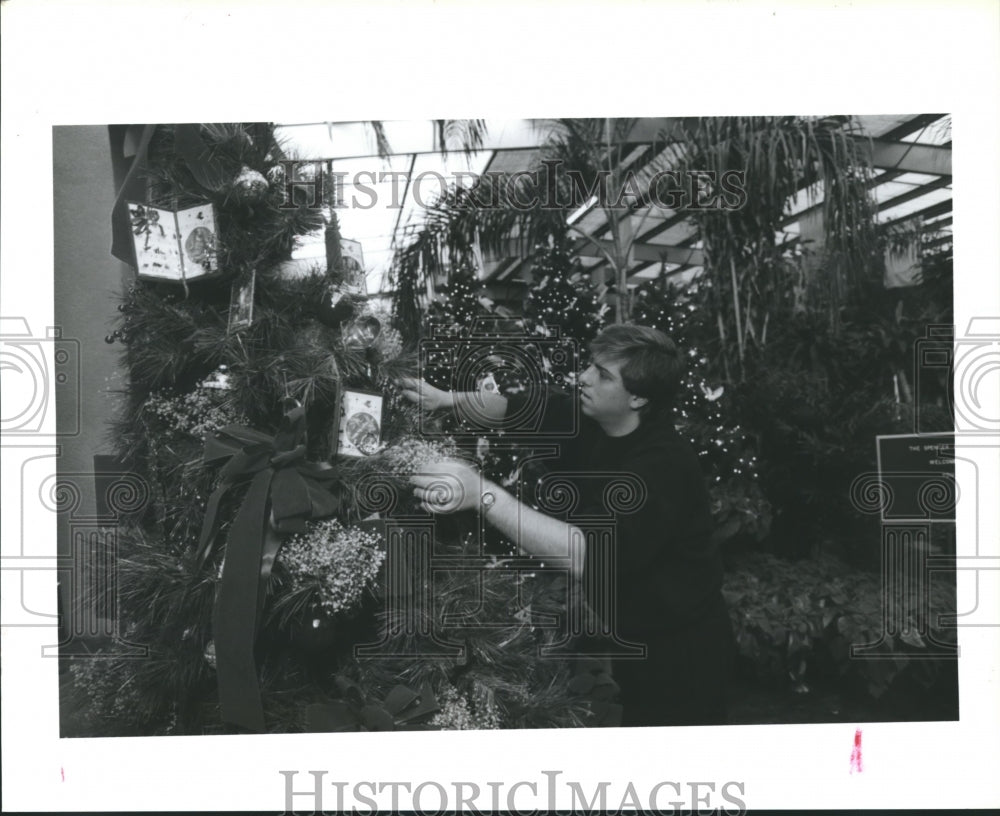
(667, 571)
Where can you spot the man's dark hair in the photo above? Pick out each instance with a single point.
(651, 364)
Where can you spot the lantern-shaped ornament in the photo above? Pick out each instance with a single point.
(174, 245)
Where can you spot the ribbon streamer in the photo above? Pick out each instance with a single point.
(285, 491)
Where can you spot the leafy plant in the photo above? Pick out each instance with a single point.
(796, 623)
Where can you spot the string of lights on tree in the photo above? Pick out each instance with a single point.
(562, 294)
(723, 448)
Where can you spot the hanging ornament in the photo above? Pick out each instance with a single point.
(390, 343)
(482, 448)
(712, 394)
(250, 184)
(362, 332)
(209, 653)
(218, 379)
(176, 245)
(488, 385)
(335, 307)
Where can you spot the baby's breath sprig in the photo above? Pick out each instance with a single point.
(457, 714)
(411, 454)
(339, 562)
(194, 414)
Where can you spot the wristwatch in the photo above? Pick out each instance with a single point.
(487, 500)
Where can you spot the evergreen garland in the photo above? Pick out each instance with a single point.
(191, 374)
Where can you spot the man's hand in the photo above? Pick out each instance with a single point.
(425, 395)
(447, 486)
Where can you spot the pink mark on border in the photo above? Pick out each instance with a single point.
(856, 753)
(62, 773)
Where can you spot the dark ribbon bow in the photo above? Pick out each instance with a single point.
(400, 710)
(284, 489)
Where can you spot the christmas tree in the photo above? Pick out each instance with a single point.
(263, 585)
(727, 455)
(462, 300)
(561, 294)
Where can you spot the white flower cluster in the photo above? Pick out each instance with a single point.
(340, 562)
(195, 414)
(412, 453)
(390, 342)
(457, 714)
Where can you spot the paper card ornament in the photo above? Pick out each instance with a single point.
(359, 431)
(241, 303)
(218, 380)
(174, 245)
(488, 385)
(353, 266)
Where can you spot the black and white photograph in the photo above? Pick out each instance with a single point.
(652, 453)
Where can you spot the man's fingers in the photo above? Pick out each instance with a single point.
(425, 479)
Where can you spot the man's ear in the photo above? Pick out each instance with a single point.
(636, 403)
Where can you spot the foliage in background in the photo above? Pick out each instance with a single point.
(795, 623)
(817, 396)
(748, 275)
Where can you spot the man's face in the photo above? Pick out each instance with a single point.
(603, 396)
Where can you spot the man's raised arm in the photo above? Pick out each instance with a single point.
(481, 408)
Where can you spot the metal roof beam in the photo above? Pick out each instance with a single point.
(930, 212)
(906, 157)
(651, 253)
(919, 191)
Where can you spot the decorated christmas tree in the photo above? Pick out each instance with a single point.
(461, 300)
(727, 454)
(263, 583)
(561, 294)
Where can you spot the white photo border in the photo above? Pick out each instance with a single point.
(299, 61)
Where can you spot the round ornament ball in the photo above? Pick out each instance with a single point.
(250, 184)
(363, 332)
